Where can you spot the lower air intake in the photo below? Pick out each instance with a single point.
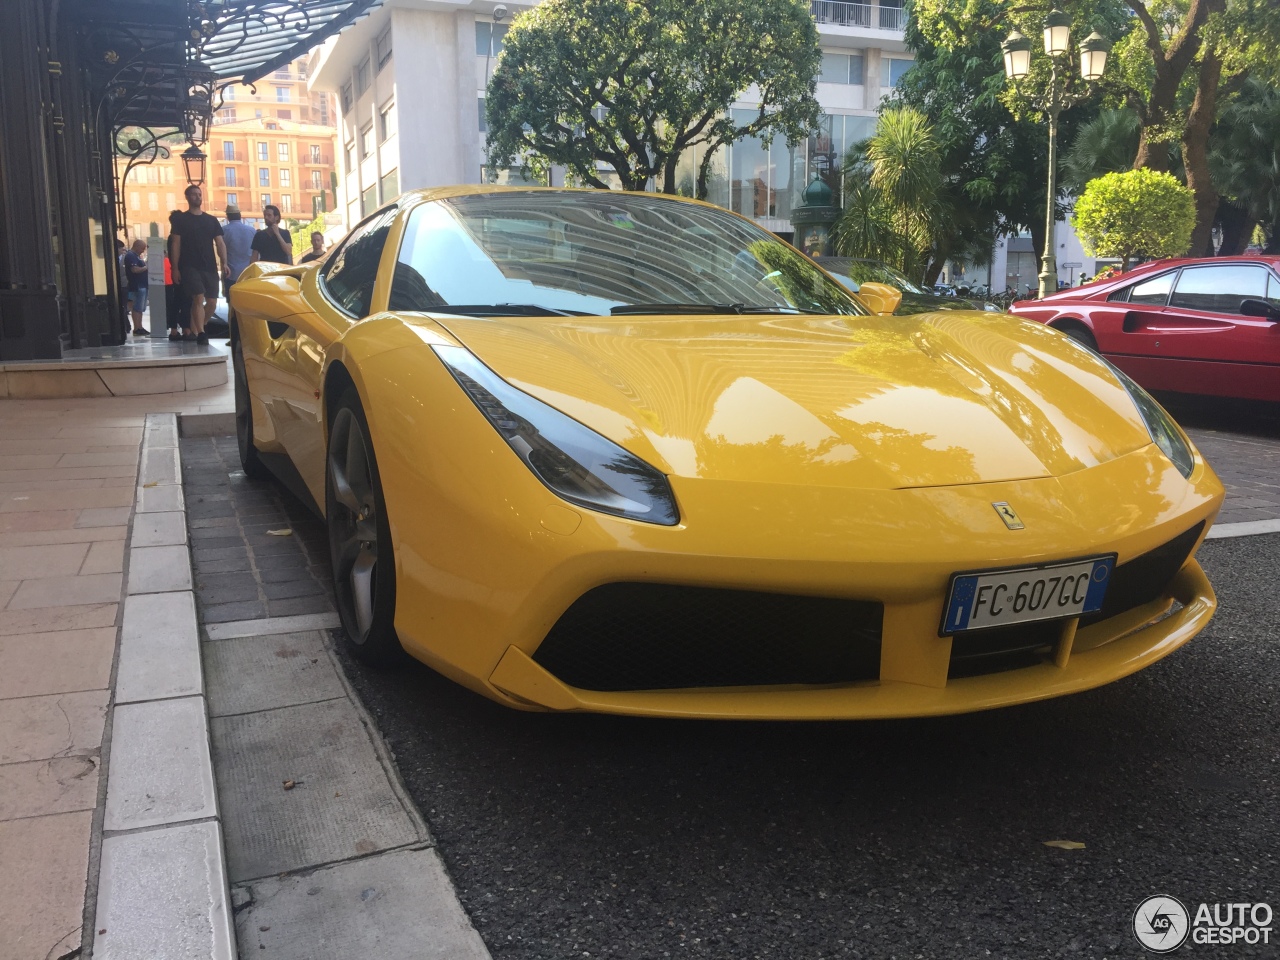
(644, 636)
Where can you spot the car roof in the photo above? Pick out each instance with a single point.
(1092, 290)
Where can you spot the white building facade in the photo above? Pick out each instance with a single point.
(410, 81)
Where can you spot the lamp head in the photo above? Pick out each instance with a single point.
(1017, 55)
(1057, 33)
(1093, 56)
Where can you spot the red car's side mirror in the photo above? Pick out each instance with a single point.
(1260, 308)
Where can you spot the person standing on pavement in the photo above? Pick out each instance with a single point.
(196, 237)
(135, 269)
(238, 237)
(273, 243)
(317, 248)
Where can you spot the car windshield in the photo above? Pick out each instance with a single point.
(872, 271)
(538, 253)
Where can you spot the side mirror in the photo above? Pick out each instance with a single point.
(1260, 308)
(277, 298)
(880, 298)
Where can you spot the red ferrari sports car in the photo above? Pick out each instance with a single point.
(1208, 326)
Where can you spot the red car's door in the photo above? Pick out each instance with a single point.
(1201, 342)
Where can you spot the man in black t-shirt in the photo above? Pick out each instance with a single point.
(196, 237)
(273, 244)
(317, 248)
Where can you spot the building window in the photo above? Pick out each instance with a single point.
(228, 93)
(382, 47)
(286, 178)
(228, 150)
(387, 121)
(153, 202)
(390, 186)
(284, 114)
(362, 77)
(233, 199)
(257, 114)
(133, 200)
(317, 205)
(484, 124)
(282, 152)
(266, 200)
(226, 115)
(170, 201)
(368, 201)
(366, 141)
(841, 68)
(317, 180)
(229, 178)
(282, 94)
(892, 70)
(346, 98)
(350, 150)
(264, 177)
(487, 33)
(315, 153)
(262, 151)
(286, 203)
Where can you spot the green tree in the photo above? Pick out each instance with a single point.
(1138, 212)
(992, 163)
(895, 206)
(633, 85)
(1174, 63)
(1244, 159)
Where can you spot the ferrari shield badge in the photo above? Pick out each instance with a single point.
(1008, 515)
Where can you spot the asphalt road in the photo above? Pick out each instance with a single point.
(574, 836)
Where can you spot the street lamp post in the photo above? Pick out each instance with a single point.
(1058, 97)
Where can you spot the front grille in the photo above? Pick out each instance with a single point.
(1140, 581)
(1145, 578)
(644, 636)
(978, 652)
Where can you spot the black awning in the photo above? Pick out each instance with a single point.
(247, 39)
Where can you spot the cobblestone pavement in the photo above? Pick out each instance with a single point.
(243, 571)
(1249, 468)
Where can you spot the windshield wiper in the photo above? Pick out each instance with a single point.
(503, 310)
(738, 308)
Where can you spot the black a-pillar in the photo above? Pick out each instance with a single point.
(30, 320)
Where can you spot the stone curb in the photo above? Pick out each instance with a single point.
(162, 882)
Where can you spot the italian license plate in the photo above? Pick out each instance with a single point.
(998, 598)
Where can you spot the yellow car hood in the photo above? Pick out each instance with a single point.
(857, 402)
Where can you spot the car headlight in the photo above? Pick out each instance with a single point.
(1164, 432)
(574, 461)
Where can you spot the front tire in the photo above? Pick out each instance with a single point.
(364, 575)
(250, 462)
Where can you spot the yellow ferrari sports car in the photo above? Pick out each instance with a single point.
(629, 453)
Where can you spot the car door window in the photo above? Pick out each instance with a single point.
(352, 270)
(1273, 290)
(1219, 289)
(1153, 292)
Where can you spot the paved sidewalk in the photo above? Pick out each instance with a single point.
(68, 488)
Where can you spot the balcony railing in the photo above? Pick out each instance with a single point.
(843, 14)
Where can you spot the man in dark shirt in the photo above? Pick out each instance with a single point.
(272, 244)
(317, 248)
(196, 237)
(135, 269)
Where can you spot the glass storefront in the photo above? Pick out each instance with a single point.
(765, 182)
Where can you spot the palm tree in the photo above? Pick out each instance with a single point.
(1244, 159)
(894, 203)
(1106, 144)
